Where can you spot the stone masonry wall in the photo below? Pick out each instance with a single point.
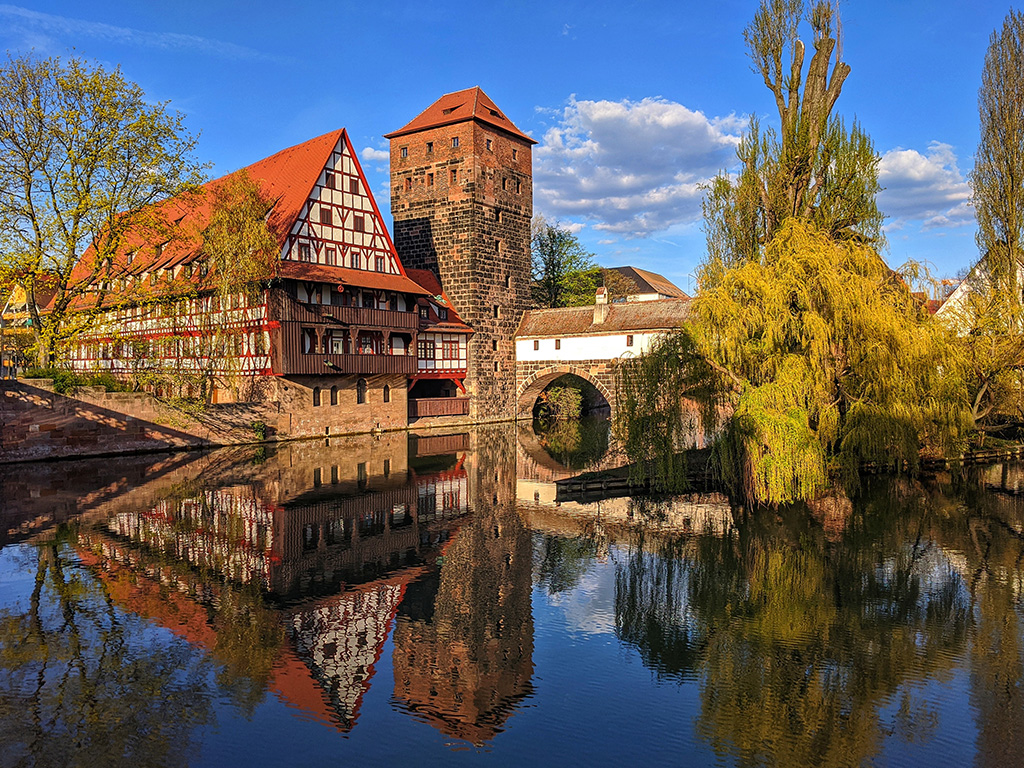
(473, 231)
(534, 375)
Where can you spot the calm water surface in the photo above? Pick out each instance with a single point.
(433, 600)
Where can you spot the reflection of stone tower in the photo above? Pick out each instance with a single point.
(462, 200)
(464, 637)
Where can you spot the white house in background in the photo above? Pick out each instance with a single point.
(650, 285)
(600, 332)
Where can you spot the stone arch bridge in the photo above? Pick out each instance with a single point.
(588, 342)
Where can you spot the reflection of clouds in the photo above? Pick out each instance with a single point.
(589, 608)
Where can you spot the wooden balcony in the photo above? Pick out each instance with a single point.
(291, 310)
(296, 363)
(438, 406)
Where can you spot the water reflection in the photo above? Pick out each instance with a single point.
(839, 633)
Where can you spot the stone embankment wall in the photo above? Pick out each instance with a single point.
(37, 423)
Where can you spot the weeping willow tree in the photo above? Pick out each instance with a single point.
(818, 350)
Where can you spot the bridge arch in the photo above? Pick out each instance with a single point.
(531, 387)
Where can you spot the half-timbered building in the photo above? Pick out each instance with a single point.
(336, 336)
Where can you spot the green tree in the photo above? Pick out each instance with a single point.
(989, 314)
(564, 273)
(818, 350)
(83, 156)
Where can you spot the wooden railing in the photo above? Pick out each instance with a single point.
(301, 364)
(359, 317)
(438, 406)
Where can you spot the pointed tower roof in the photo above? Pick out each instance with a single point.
(459, 107)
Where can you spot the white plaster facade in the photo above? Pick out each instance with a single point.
(596, 346)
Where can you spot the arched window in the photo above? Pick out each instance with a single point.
(334, 395)
(316, 396)
(387, 394)
(361, 391)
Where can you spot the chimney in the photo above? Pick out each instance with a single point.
(601, 306)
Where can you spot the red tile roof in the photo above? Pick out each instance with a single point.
(458, 107)
(429, 281)
(356, 278)
(638, 316)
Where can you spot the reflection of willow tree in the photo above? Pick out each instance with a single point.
(561, 562)
(84, 683)
(799, 642)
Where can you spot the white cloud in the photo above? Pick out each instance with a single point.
(371, 155)
(632, 167)
(34, 22)
(926, 188)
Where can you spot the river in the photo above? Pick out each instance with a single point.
(434, 599)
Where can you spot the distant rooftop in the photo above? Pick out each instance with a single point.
(638, 316)
(651, 282)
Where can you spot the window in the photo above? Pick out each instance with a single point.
(430, 179)
(455, 176)
(408, 184)
(536, 344)
(131, 257)
(497, 311)
(304, 254)
(325, 215)
(361, 391)
(387, 462)
(379, 264)
(403, 152)
(425, 349)
(504, 183)
(334, 395)
(629, 341)
(490, 145)
(354, 259)
(508, 280)
(317, 477)
(494, 345)
(424, 313)
(386, 394)
(332, 257)
(430, 147)
(329, 181)
(359, 223)
(455, 141)
(316, 397)
(558, 343)
(515, 154)
(353, 186)
(442, 313)
(519, 187)
(495, 366)
(449, 349)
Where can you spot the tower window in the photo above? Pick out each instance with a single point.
(329, 181)
(316, 397)
(494, 345)
(430, 179)
(387, 399)
(490, 145)
(504, 184)
(497, 311)
(403, 152)
(430, 147)
(408, 184)
(334, 395)
(515, 154)
(361, 391)
(519, 187)
(508, 280)
(455, 141)
(325, 215)
(455, 176)
(495, 366)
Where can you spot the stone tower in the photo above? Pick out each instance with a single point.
(462, 201)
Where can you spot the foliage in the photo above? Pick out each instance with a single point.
(83, 156)
(988, 314)
(561, 403)
(816, 171)
(259, 430)
(65, 381)
(564, 273)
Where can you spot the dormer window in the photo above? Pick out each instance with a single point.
(424, 313)
(442, 313)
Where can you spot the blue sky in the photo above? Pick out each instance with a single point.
(634, 104)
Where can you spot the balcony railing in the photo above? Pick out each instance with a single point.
(357, 317)
(300, 364)
(438, 406)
